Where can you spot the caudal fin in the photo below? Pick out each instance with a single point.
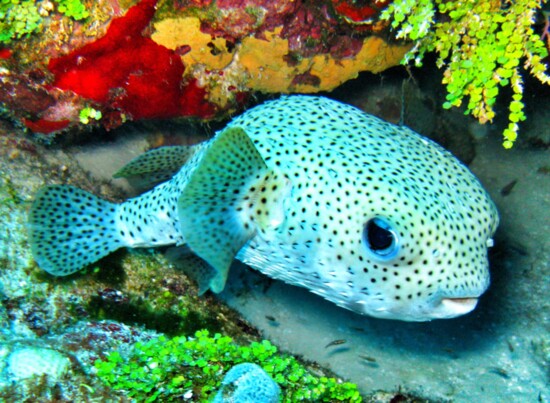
(70, 228)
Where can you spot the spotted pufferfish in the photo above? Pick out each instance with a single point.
(369, 215)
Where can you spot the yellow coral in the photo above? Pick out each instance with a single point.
(176, 32)
(264, 60)
(261, 64)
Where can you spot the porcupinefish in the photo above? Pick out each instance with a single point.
(369, 215)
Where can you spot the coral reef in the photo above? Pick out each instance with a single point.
(26, 362)
(59, 367)
(276, 47)
(21, 18)
(221, 53)
(163, 59)
(203, 59)
(147, 76)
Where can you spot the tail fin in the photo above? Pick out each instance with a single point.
(70, 228)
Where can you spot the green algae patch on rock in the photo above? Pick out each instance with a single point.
(171, 305)
(195, 367)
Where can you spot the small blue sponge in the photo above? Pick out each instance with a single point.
(247, 383)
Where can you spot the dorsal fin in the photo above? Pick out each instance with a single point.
(230, 196)
(157, 165)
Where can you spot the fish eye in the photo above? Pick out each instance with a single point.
(380, 239)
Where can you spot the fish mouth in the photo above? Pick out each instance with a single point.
(458, 306)
(438, 308)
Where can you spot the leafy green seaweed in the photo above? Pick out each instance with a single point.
(20, 18)
(167, 369)
(481, 44)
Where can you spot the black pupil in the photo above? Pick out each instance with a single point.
(378, 237)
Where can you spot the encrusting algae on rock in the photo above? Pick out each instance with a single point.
(371, 216)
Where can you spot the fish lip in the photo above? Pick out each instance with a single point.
(439, 308)
(459, 305)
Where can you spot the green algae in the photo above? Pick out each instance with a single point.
(167, 369)
(19, 19)
(481, 46)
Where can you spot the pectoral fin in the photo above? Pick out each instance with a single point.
(230, 196)
(192, 265)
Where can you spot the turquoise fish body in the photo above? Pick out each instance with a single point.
(369, 215)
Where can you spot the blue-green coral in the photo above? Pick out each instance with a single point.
(482, 45)
(20, 18)
(248, 383)
(167, 369)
